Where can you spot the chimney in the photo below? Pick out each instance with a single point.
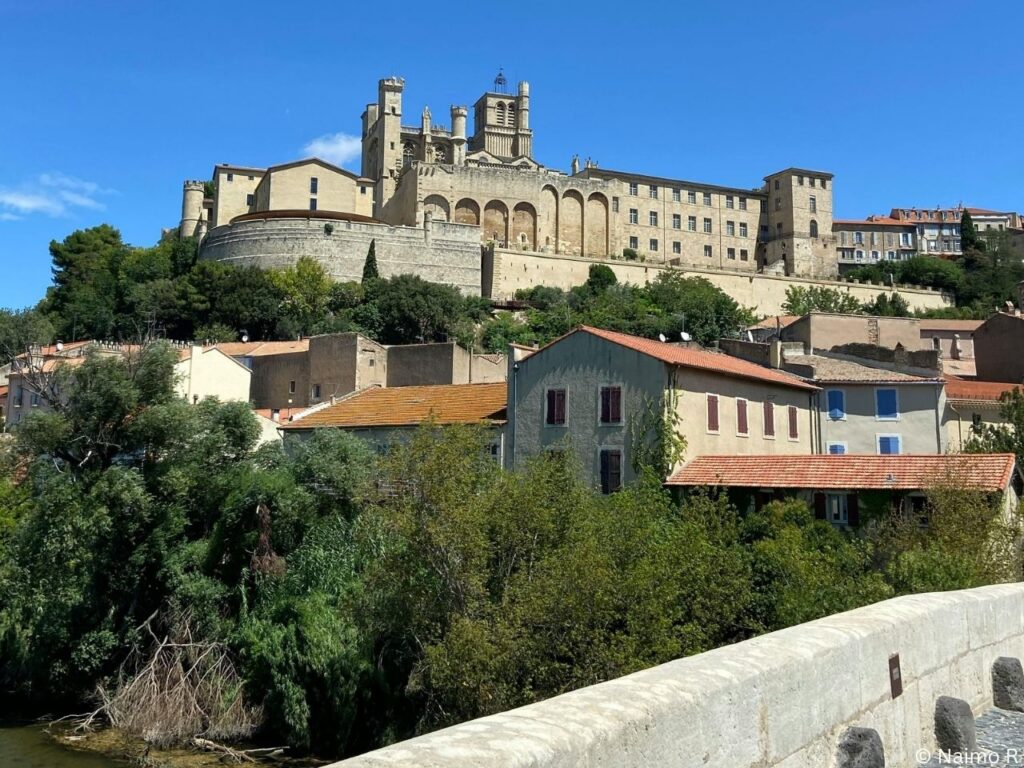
(775, 353)
(956, 346)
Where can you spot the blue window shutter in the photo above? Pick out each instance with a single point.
(837, 450)
(836, 406)
(888, 445)
(885, 404)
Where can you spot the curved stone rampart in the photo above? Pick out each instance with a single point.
(441, 252)
(784, 699)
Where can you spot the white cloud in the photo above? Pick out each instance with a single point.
(51, 194)
(336, 148)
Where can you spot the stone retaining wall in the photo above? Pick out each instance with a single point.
(506, 271)
(784, 699)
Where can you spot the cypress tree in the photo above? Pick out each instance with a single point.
(969, 240)
(370, 266)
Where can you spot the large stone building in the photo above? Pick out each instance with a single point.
(487, 187)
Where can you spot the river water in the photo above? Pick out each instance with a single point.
(29, 746)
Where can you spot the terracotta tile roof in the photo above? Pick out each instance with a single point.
(701, 359)
(884, 221)
(960, 368)
(283, 414)
(775, 321)
(981, 391)
(829, 370)
(950, 325)
(260, 348)
(408, 406)
(983, 471)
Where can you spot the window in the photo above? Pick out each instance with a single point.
(677, 221)
(231, 177)
(800, 180)
(730, 228)
(778, 203)
(707, 225)
(634, 242)
(291, 387)
(691, 197)
(776, 183)
(676, 195)
(836, 509)
(249, 199)
(813, 204)
(794, 423)
(824, 183)
(742, 427)
(836, 399)
(251, 178)
(743, 255)
(707, 198)
(764, 205)
(890, 255)
(875, 255)
(315, 392)
(677, 247)
(313, 183)
(653, 191)
(555, 408)
(652, 218)
(713, 413)
(890, 239)
(886, 405)
(611, 470)
(905, 238)
(708, 251)
(858, 238)
(615, 205)
(842, 238)
(837, 449)
(654, 244)
(768, 417)
(728, 201)
(634, 216)
(730, 253)
(889, 444)
(312, 203)
(362, 189)
(743, 203)
(743, 229)
(778, 229)
(632, 188)
(611, 405)
(34, 400)
(691, 223)
(814, 228)
(810, 180)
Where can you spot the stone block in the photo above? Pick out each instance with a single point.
(954, 725)
(1008, 684)
(860, 748)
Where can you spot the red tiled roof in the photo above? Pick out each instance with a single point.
(961, 389)
(982, 471)
(260, 348)
(408, 406)
(883, 221)
(700, 359)
(776, 321)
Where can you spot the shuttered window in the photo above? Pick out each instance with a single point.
(794, 425)
(769, 419)
(611, 470)
(556, 407)
(611, 405)
(712, 413)
(741, 416)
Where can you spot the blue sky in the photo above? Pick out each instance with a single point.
(107, 106)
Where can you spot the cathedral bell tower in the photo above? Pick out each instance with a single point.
(501, 122)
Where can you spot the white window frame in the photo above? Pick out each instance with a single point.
(622, 404)
(843, 443)
(878, 443)
(718, 404)
(564, 424)
(896, 391)
(842, 502)
(746, 407)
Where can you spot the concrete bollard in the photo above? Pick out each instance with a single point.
(1008, 684)
(954, 725)
(860, 748)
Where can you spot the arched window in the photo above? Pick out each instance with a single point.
(814, 228)
(408, 154)
(512, 115)
(500, 109)
(440, 155)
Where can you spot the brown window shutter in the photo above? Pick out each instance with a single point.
(560, 406)
(741, 416)
(614, 470)
(606, 410)
(819, 506)
(853, 510)
(604, 471)
(713, 413)
(769, 419)
(615, 406)
(794, 431)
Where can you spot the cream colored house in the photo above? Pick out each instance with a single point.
(208, 372)
(598, 393)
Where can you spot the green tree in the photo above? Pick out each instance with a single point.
(601, 277)
(801, 300)
(306, 291)
(887, 305)
(413, 310)
(19, 329)
(969, 240)
(1006, 437)
(370, 271)
(84, 296)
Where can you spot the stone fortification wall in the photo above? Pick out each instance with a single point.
(785, 699)
(506, 271)
(439, 251)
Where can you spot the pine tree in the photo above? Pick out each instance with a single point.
(370, 266)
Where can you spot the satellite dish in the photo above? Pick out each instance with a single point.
(661, 337)
(685, 336)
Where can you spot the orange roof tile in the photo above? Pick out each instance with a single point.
(408, 406)
(700, 359)
(776, 321)
(987, 472)
(260, 348)
(961, 389)
(884, 221)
